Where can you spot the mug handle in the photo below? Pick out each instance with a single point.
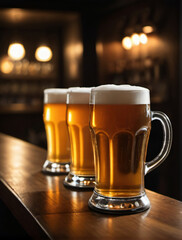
(167, 141)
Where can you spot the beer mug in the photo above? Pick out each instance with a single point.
(58, 146)
(120, 122)
(82, 166)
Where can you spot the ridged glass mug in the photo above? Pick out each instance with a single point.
(82, 173)
(58, 145)
(120, 122)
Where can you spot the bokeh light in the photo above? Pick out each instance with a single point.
(143, 38)
(6, 65)
(127, 43)
(148, 29)
(43, 54)
(16, 51)
(135, 39)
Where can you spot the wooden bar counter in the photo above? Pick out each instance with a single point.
(48, 210)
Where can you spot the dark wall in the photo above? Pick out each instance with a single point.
(96, 31)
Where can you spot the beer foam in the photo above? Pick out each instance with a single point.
(119, 94)
(55, 95)
(78, 95)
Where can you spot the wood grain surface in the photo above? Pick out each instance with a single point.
(48, 210)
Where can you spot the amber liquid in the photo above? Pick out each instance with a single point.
(80, 139)
(58, 145)
(120, 136)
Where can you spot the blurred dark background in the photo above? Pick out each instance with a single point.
(91, 43)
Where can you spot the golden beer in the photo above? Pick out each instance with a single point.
(54, 117)
(80, 139)
(120, 122)
(120, 147)
(58, 146)
(82, 174)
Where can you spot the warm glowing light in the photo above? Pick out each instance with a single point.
(6, 66)
(43, 54)
(73, 52)
(143, 38)
(135, 39)
(16, 51)
(148, 29)
(99, 48)
(127, 43)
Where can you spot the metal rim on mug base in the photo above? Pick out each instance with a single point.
(120, 206)
(56, 168)
(78, 181)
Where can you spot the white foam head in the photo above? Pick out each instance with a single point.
(119, 94)
(78, 95)
(55, 95)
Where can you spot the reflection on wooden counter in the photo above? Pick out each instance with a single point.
(48, 210)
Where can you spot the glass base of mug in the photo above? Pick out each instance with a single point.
(120, 206)
(77, 181)
(56, 168)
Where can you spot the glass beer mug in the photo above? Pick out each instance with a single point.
(120, 122)
(58, 145)
(82, 173)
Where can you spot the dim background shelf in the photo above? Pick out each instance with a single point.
(21, 108)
